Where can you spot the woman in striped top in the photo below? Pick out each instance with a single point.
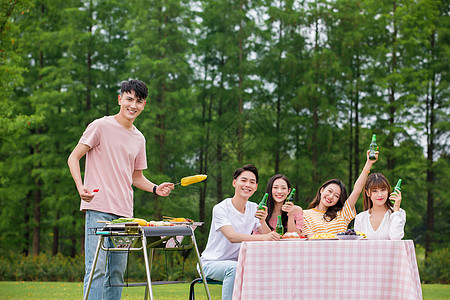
(331, 211)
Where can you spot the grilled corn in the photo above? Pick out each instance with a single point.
(141, 222)
(192, 179)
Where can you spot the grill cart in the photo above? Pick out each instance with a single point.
(125, 235)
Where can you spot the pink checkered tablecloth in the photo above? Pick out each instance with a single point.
(327, 269)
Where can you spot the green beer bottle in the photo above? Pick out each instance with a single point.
(263, 202)
(398, 187)
(279, 228)
(373, 147)
(290, 198)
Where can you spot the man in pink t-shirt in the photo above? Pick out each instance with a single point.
(115, 160)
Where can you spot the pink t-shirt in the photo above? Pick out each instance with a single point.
(115, 153)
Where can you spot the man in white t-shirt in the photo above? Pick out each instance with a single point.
(233, 221)
(115, 160)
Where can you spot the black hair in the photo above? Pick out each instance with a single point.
(250, 168)
(376, 181)
(270, 201)
(139, 88)
(332, 211)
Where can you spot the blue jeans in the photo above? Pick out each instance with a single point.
(222, 270)
(110, 266)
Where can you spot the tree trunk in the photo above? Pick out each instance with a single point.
(73, 239)
(55, 238)
(219, 141)
(350, 146)
(315, 125)
(37, 218)
(356, 109)
(392, 91)
(160, 141)
(89, 80)
(278, 120)
(277, 132)
(160, 123)
(240, 151)
(206, 117)
(430, 119)
(26, 220)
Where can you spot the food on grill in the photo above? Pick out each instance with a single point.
(138, 221)
(178, 220)
(122, 220)
(141, 222)
(159, 223)
(321, 236)
(181, 220)
(192, 179)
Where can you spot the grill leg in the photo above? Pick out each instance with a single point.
(200, 266)
(148, 290)
(94, 263)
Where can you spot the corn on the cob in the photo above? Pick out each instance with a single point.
(192, 179)
(141, 222)
(178, 220)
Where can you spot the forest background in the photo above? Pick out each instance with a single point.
(293, 87)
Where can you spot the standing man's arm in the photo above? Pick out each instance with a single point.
(141, 182)
(74, 165)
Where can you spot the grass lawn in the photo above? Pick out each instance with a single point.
(74, 290)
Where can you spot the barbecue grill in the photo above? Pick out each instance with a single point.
(125, 235)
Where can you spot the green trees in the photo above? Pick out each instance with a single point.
(292, 87)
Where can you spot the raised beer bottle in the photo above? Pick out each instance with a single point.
(398, 187)
(279, 228)
(373, 147)
(263, 202)
(290, 198)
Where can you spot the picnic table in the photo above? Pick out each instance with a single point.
(327, 269)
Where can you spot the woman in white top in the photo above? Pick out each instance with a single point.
(381, 220)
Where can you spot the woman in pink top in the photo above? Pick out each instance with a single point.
(278, 189)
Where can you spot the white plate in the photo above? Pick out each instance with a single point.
(349, 237)
(294, 239)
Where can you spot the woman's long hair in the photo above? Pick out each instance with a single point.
(271, 202)
(332, 211)
(376, 181)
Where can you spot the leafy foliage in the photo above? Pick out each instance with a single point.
(292, 87)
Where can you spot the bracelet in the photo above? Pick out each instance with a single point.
(154, 190)
(368, 172)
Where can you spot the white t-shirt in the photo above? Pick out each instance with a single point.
(114, 155)
(391, 228)
(224, 213)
